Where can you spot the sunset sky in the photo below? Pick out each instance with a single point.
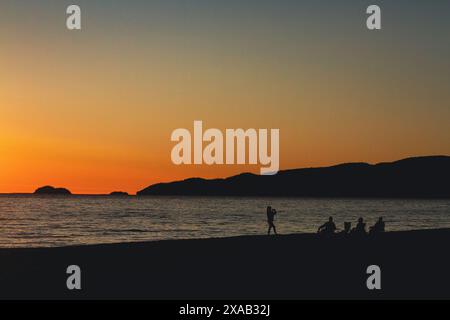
(93, 110)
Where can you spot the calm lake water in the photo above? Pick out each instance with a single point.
(30, 221)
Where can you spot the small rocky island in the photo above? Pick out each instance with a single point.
(119, 194)
(49, 190)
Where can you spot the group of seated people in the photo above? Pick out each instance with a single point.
(329, 228)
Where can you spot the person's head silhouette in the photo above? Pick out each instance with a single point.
(360, 220)
(330, 219)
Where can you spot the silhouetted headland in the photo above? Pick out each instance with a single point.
(420, 177)
(414, 264)
(49, 190)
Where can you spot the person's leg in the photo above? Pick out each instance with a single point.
(268, 231)
(274, 229)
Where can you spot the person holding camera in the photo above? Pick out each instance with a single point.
(270, 218)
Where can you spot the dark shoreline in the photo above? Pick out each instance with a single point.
(414, 264)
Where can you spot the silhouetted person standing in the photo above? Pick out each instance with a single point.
(328, 227)
(270, 218)
(378, 227)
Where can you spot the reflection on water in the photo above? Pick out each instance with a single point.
(28, 221)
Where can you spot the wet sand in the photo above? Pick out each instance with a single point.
(414, 264)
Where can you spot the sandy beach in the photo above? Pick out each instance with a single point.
(414, 264)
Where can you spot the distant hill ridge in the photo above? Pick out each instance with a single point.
(418, 177)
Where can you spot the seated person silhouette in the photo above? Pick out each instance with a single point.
(378, 227)
(327, 228)
(347, 228)
(270, 218)
(360, 228)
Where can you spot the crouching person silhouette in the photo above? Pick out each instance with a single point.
(270, 218)
(328, 228)
(360, 229)
(378, 227)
